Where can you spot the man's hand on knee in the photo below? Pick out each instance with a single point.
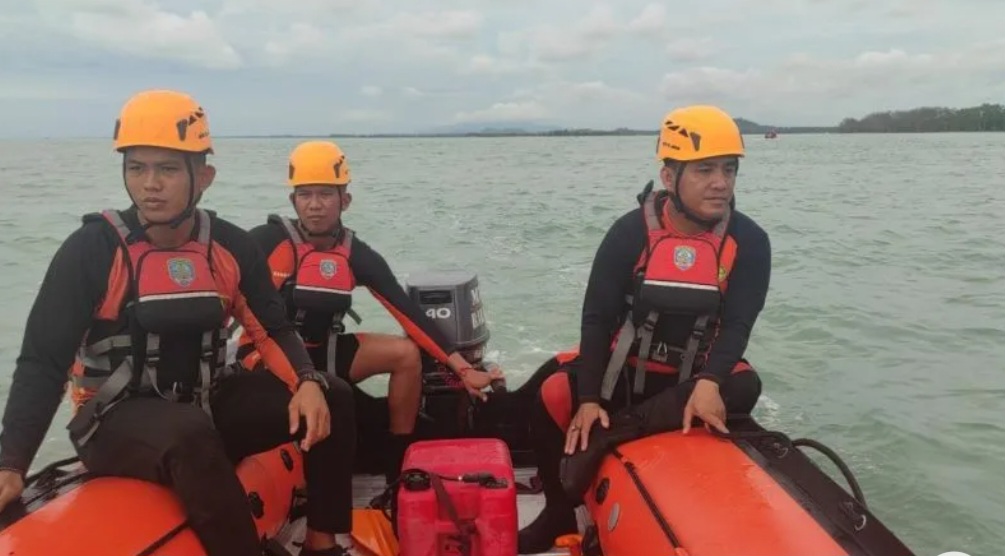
(309, 402)
(579, 429)
(706, 404)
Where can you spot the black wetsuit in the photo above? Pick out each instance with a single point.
(611, 280)
(175, 443)
(371, 271)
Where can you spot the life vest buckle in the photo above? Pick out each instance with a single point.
(337, 326)
(177, 391)
(152, 357)
(206, 354)
(100, 408)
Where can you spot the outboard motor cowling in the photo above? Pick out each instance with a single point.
(452, 300)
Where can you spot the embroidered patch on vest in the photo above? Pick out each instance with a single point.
(684, 256)
(181, 271)
(328, 269)
(722, 273)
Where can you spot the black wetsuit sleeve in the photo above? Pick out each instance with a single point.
(744, 299)
(267, 237)
(265, 309)
(373, 272)
(56, 325)
(604, 304)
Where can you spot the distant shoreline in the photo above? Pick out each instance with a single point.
(975, 119)
(596, 133)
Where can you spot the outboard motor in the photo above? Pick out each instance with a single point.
(451, 299)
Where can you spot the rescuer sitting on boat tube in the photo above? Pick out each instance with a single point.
(316, 263)
(135, 303)
(680, 280)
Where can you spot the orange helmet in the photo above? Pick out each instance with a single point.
(318, 163)
(697, 132)
(166, 119)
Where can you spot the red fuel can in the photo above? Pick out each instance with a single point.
(457, 498)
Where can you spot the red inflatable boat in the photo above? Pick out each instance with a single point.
(469, 484)
(65, 512)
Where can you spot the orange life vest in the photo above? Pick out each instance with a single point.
(675, 276)
(165, 292)
(319, 281)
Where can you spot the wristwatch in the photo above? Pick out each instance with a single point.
(313, 376)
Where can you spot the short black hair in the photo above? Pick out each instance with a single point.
(199, 159)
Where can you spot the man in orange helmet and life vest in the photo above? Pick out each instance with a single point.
(316, 263)
(135, 303)
(675, 289)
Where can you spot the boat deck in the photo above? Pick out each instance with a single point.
(367, 487)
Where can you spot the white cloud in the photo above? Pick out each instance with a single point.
(365, 115)
(561, 101)
(571, 40)
(428, 36)
(32, 88)
(504, 112)
(801, 81)
(301, 8)
(569, 62)
(483, 64)
(651, 20)
(451, 24)
(692, 49)
(302, 37)
(142, 28)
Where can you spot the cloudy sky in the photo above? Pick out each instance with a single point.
(320, 66)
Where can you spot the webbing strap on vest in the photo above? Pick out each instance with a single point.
(336, 329)
(85, 422)
(292, 232)
(125, 233)
(211, 356)
(649, 212)
(645, 344)
(88, 416)
(691, 351)
(622, 345)
(298, 239)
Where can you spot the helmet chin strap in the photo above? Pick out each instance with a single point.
(333, 232)
(177, 221)
(679, 205)
(330, 233)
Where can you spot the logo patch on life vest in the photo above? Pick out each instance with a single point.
(722, 273)
(328, 269)
(181, 271)
(684, 256)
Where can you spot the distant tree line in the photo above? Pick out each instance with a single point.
(986, 117)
